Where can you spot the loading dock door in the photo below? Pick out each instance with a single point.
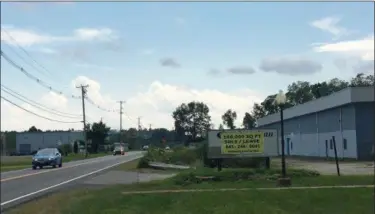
(25, 148)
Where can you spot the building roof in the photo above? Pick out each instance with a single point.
(340, 98)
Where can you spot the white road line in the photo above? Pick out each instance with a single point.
(52, 170)
(80, 162)
(67, 181)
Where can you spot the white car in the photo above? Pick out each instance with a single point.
(145, 147)
(167, 148)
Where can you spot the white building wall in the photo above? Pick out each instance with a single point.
(314, 144)
(39, 140)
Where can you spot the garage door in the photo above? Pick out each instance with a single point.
(25, 149)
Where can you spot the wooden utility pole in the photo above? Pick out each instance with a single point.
(83, 95)
(139, 124)
(121, 102)
(4, 142)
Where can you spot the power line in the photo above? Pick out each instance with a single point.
(99, 107)
(40, 82)
(59, 121)
(37, 105)
(26, 52)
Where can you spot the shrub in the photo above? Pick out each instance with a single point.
(143, 163)
(75, 147)
(181, 156)
(243, 162)
(65, 149)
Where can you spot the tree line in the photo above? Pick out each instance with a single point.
(192, 120)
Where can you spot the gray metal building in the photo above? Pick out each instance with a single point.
(26, 142)
(348, 115)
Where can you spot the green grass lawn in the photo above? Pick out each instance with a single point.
(307, 201)
(21, 162)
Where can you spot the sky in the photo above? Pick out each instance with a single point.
(155, 56)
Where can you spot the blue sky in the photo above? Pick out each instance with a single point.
(231, 48)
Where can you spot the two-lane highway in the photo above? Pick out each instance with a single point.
(22, 185)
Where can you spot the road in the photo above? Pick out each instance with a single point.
(22, 185)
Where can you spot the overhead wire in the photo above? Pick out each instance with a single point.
(99, 107)
(27, 53)
(38, 115)
(37, 105)
(29, 75)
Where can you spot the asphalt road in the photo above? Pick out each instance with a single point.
(23, 185)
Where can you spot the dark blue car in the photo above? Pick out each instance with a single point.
(47, 157)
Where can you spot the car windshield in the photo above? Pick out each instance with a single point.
(45, 152)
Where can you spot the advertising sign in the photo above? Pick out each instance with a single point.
(242, 143)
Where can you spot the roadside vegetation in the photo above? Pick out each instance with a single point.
(203, 189)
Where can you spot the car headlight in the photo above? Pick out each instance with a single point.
(51, 158)
(35, 159)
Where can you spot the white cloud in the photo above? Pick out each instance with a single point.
(362, 48)
(330, 25)
(28, 37)
(154, 105)
(89, 34)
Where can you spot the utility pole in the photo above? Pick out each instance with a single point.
(150, 126)
(4, 141)
(83, 94)
(121, 102)
(139, 124)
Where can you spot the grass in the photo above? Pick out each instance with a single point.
(308, 201)
(10, 163)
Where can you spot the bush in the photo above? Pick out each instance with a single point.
(65, 149)
(75, 147)
(234, 175)
(143, 163)
(181, 156)
(244, 162)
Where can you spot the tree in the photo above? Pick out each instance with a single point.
(192, 119)
(97, 133)
(34, 129)
(299, 92)
(258, 111)
(248, 121)
(229, 117)
(75, 147)
(221, 127)
(302, 91)
(362, 80)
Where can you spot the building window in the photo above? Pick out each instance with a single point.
(330, 144)
(291, 145)
(326, 144)
(345, 144)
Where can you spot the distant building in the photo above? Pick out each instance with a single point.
(348, 115)
(27, 142)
